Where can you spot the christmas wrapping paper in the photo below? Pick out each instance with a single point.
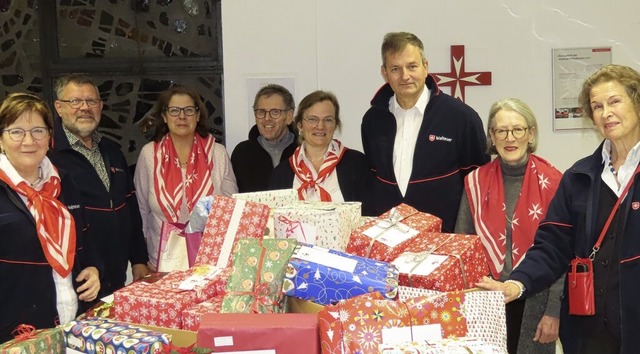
(361, 324)
(443, 262)
(327, 276)
(230, 219)
(191, 316)
(29, 340)
(255, 283)
(325, 224)
(98, 335)
(274, 199)
(384, 238)
(445, 346)
(282, 333)
(162, 303)
(485, 313)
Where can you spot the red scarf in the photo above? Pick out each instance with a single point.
(485, 192)
(55, 226)
(334, 154)
(167, 177)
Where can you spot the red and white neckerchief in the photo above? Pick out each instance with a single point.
(168, 184)
(54, 224)
(485, 191)
(304, 174)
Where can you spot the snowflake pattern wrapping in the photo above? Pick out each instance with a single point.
(191, 315)
(229, 220)
(327, 276)
(325, 224)
(274, 199)
(403, 222)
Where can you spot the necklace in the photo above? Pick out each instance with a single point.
(613, 170)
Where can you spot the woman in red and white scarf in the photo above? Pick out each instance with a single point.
(504, 202)
(41, 245)
(182, 165)
(322, 168)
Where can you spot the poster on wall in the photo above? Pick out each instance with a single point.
(571, 66)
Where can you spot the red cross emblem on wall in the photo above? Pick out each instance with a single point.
(458, 79)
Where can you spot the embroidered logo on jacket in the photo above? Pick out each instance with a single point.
(74, 206)
(635, 205)
(433, 137)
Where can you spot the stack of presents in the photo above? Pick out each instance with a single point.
(275, 275)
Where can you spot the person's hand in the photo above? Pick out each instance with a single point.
(547, 330)
(139, 270)
(510, 290)
(88, 291)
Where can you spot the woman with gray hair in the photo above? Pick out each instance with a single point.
(503, 204)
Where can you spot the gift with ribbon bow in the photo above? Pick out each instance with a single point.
(325, 224)
(255, 283)
(443, 262)
(274, 199)
(29, 340)
(384, 238)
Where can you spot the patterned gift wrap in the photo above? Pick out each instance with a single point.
(230, 219)
(29, 340)
(274, 199)
(324, 224)
(191, 316)
(161, 303)
(443, 262)
(360, 324)
(384, 238)
(255, 284)
(326, 276)
(98, 335)
(444, 346)
(485, 314)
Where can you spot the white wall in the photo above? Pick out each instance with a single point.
(335, 45)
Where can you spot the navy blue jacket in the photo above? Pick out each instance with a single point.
(113, 216)
(451, 143)
(27, 290)
(570, 229)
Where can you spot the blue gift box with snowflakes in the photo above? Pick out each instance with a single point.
(327, 276)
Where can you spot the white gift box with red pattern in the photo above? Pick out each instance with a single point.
(274, 199)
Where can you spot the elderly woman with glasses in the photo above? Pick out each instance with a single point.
(322, 168)
(181, 165)
(503, 204)
(48, 275)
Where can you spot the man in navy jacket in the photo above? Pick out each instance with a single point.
(106, 186)
(420, 141)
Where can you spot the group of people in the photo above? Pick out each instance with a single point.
(74, 217)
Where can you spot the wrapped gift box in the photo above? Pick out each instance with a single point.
(324, 224)
(274, 199)
(98, 335)
(445, 346)
(35, 341)
(191, 316)
(384, 238)
(282, 333)
(327, 276)
(230, 219)
(484, 310)
(255, 284)
(361, 324)
(443, 262)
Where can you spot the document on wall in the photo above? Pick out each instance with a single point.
(571, 66)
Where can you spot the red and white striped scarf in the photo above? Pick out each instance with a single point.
(485, 191)
(54, 224)
(168, 184)
(304, 174)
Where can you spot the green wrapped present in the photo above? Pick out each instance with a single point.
(255, 284)
(31, 341)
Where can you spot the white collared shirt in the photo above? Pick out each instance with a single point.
(625, 172)
(408, 125)
(330, 184)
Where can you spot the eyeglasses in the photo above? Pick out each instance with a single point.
(313, 121)
(18, 134)
(77, 102)
(188, 110)
(501, 134)
(273, 113)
